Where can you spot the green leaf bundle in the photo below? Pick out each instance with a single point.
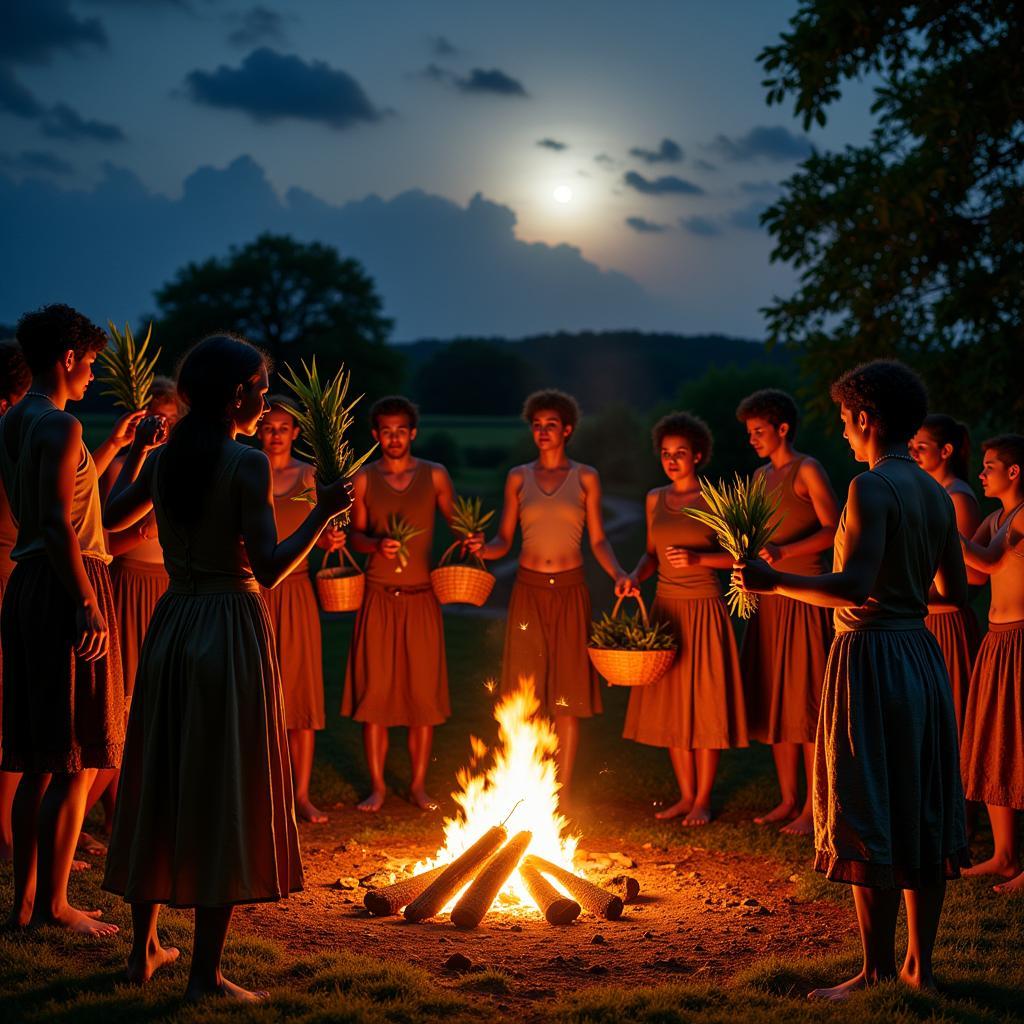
(126, 370)
(400, 529)
(468, 518)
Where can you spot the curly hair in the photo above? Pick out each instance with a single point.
(689, 427)
(15, 376)
(394, 405)
(889, 392)
(46, 334)
(773, 405)
(943, 430)
(1009, 448)
(552, 400)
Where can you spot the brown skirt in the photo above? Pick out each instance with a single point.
(783, 660)
(888, 803)
(698, 703)
(992, 752)
(397, 673)
(3, 587)
(958, 636)
(295, 616)
(137, 587)
(546, 638)
(60, 713)
(204, 812)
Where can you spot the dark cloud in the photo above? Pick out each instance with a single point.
(442, 46)
(776, 143)
(257, 25)
(491, 80)
(668, 152)
(33, 29)
(15, 98)
(646, 227)
(761, 188)
(34, 161)
(63, 122)
(667, 185)
(269, 86)
(705, 165)
(748, 218)
(552, 144)
(606, 161)
(700, 226)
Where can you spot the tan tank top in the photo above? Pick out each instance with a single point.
(1008, 582)
(925, 524)
(552, 524)
(290, 511)
(8, 534)
(797, 520)
(21, 480)
(418, 505)
(208, 557)
(671, 528)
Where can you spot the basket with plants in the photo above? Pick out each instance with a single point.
(323, 414)
(743, 515)
(628, 650)
(460, 576)
(127, 369)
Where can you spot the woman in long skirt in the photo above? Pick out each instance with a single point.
(888, 802)
(204, 814)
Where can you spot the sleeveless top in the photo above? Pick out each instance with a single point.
(208, 557)
(417, 504)
(290, 511)
(552, 524)
(670, 528)
(21, 480)
(797, 519)
(8, 534)
(925, 523)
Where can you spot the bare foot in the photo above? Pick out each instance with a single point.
(993, 866)
(697, 816)
(81, 865)
(1009, 888)
(224, 990)
(843, 991)
(19, 918)
(678, 808)
(373, 802)
(142, 968)
(305, 811)
(923, 983)
(82, 922)
(782, 812)
(802, 826)
(90, 845)
(422, 799)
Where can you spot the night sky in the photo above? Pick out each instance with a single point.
(432, 141)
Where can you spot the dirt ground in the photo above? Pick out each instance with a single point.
(701, 914)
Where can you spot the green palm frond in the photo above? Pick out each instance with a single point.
(126, 370)
(743, 515)
(629, 632)
(400, 529)
(468, 517)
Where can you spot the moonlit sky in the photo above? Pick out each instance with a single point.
(413, 100)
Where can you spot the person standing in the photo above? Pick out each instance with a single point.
(888, 801)
(786, 642)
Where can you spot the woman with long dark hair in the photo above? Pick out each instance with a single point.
(204, 815)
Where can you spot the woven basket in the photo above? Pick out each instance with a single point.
(631, 668)
(340, 587)
(461, 584)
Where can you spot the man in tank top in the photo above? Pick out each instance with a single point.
(552, 500)
(786, 643)
(397, 672)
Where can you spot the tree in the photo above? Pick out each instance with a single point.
(912, 244)
(293, 299)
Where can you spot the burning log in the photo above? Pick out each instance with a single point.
(558, 909)
(391, 899)
(595, 899)
(629, 886)
(477, 899)
(454, 876)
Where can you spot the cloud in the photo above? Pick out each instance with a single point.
(63, 122)
(257, 25)
(269, 86)
(34, 161)
(700, 226)
(15, 98)
(667, 185)
(442, 46)
(668, 152)
(645, 227)
(705, 165)
(748, 218)
(776, 143)
(34, 29)
(606, 161)
(491, 81)
(552, 144)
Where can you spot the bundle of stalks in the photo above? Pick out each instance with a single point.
(400, 529)
(595, 899)
(391, 899)
(630, 650)
(468, 518)
(477, 899)
(558, 909)
(126, 371)
(743, 516)
(324, 417)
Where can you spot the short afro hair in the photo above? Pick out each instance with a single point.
(1009, 448)
(889, 392)
(551, 400)
(46, 334)
(282, 403)
(15, 376)
(394, 405)
(689, 427)
(773, 405)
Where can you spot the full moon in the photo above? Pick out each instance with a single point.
(562, 194)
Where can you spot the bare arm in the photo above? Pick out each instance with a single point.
(500, 546)
(120, 437)
(131, 497)
(951, 579)
(823, 499)
(987, 551)
(599, 543)
(445, 491)
(648, 564)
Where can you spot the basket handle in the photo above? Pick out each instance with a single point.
(450, 551)
(344, 551)
(643, 608)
